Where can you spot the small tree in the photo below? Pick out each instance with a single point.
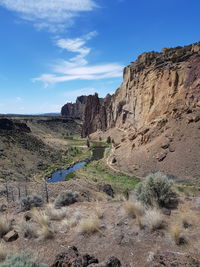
(109, 140)
(88, 143)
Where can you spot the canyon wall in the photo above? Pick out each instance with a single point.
(156, 110)
(75, 110)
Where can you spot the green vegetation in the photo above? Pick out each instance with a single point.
(72, 154)
(20, 260)
(97, 172)
(70, 175)
(155, 190)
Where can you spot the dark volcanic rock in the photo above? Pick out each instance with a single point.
(6, 124)
(72, 258)
(107, 188)
(9, 125)
(75, 110)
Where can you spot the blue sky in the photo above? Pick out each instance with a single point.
(52, 51)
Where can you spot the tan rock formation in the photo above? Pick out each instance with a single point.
(158, 102)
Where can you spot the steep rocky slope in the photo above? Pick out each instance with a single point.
(154, 117)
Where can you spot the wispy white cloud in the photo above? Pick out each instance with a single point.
(50, 14)
(77, 67)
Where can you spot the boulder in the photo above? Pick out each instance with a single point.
(72, 258)
(11, 236)
(111, 262)
(161, 156)
(107, 188)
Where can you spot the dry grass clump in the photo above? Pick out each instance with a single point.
(55, 214)
(26, 229)
(44, 231)
(66, 223)
(5, 226)
(89, 225)
(99, 212)
(176, 234)
(134, 209)
(3, 252)
(153, 219)
(40, 217)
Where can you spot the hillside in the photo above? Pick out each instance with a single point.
(30, 145)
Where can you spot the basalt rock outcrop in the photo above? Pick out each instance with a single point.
(9, 125)
(75, 110)
(154, 117)
(72, 257)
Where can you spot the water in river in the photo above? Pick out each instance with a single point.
(60, 175)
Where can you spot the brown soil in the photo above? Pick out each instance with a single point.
(119, 235)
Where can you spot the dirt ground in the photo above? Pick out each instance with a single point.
(119, 234)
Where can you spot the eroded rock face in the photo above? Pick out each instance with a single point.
(158, 99)
(75, 110)
(155, 86)
(96, 114)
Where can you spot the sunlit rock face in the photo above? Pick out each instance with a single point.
(157, 112)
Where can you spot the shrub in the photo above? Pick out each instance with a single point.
(153, 219)
(89, 225)
(155, 190)
(5, 226)
(20, 260)
(31, 201)
(66, 198)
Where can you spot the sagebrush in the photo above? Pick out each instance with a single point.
(20, 260)
(66, 198)
(30, 202)
(155, 190)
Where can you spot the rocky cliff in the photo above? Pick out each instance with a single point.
(154, 117)
(75, 110)
(96, 114)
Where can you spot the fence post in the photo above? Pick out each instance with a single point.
(46, 190)
(12, 192)
(19, 192)
(26, 190)
(7, 192)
